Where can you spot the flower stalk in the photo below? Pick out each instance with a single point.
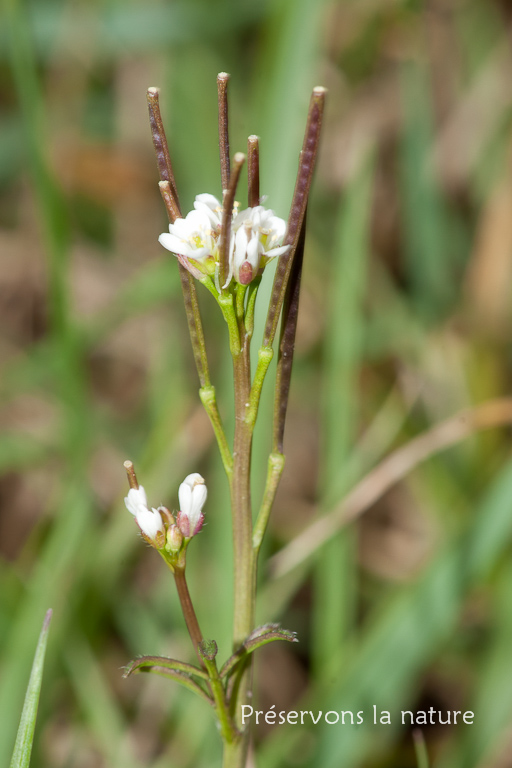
(188, 611)
(253, 171)
(227, 204)
(227, 250)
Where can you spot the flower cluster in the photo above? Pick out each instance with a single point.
(256, 237)
(158, 526)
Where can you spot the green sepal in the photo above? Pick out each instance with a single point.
(260, 636)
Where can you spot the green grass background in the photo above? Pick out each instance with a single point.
(405, 320)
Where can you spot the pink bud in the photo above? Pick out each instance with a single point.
(245, 273)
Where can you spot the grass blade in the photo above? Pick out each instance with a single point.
(23, 747)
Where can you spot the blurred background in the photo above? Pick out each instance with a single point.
(405, 322)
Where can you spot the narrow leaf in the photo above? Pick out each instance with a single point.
(178, 677)
(268, 637)
(163, 661)
(258, 637)
(23, 747)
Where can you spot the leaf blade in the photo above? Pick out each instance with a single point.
(25, 737)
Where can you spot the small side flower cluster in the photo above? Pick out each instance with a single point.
(255, 238)
(159, 527)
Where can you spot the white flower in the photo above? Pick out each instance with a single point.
(256, 237)
(149, 520)
(195, 238)
(192, 496)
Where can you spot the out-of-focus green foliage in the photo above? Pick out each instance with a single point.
(405, 321)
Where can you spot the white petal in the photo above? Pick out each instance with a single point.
(150, 522)
(192, 494)
(198, 253)
(213, 218)
(197, 221)
(277, 251)
(136, 500)
(185, 498)
(193, 479)
(254, 250)
(241, 217)
(209, 200)
(173, 243)
(180, 228)
(240, 247)
(199, 495)
(209, 206)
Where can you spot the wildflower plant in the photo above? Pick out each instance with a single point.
(226, 249)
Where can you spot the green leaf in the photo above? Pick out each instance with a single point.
(139, 665)
(267, 633)
(23, 747)
(179, 677)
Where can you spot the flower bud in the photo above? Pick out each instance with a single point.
(167, 515)
(174, 539)
(149, 520)
(192, 496)
(245, 273)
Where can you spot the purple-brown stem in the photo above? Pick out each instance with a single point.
(170, 196)
(253, 171)
(163, 157)
(287, 343)
(222, 94)
(171, 206)
(188, 611)
(130, 472)
(297, 211)
(227, 205)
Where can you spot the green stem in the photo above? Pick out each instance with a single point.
(225, 301)
(227, 728)
(274, 472)
(251, 304)
(240, 298)
(209, 400)
(241, 503)
(235, 754)
(244, 593)
(265, 355)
